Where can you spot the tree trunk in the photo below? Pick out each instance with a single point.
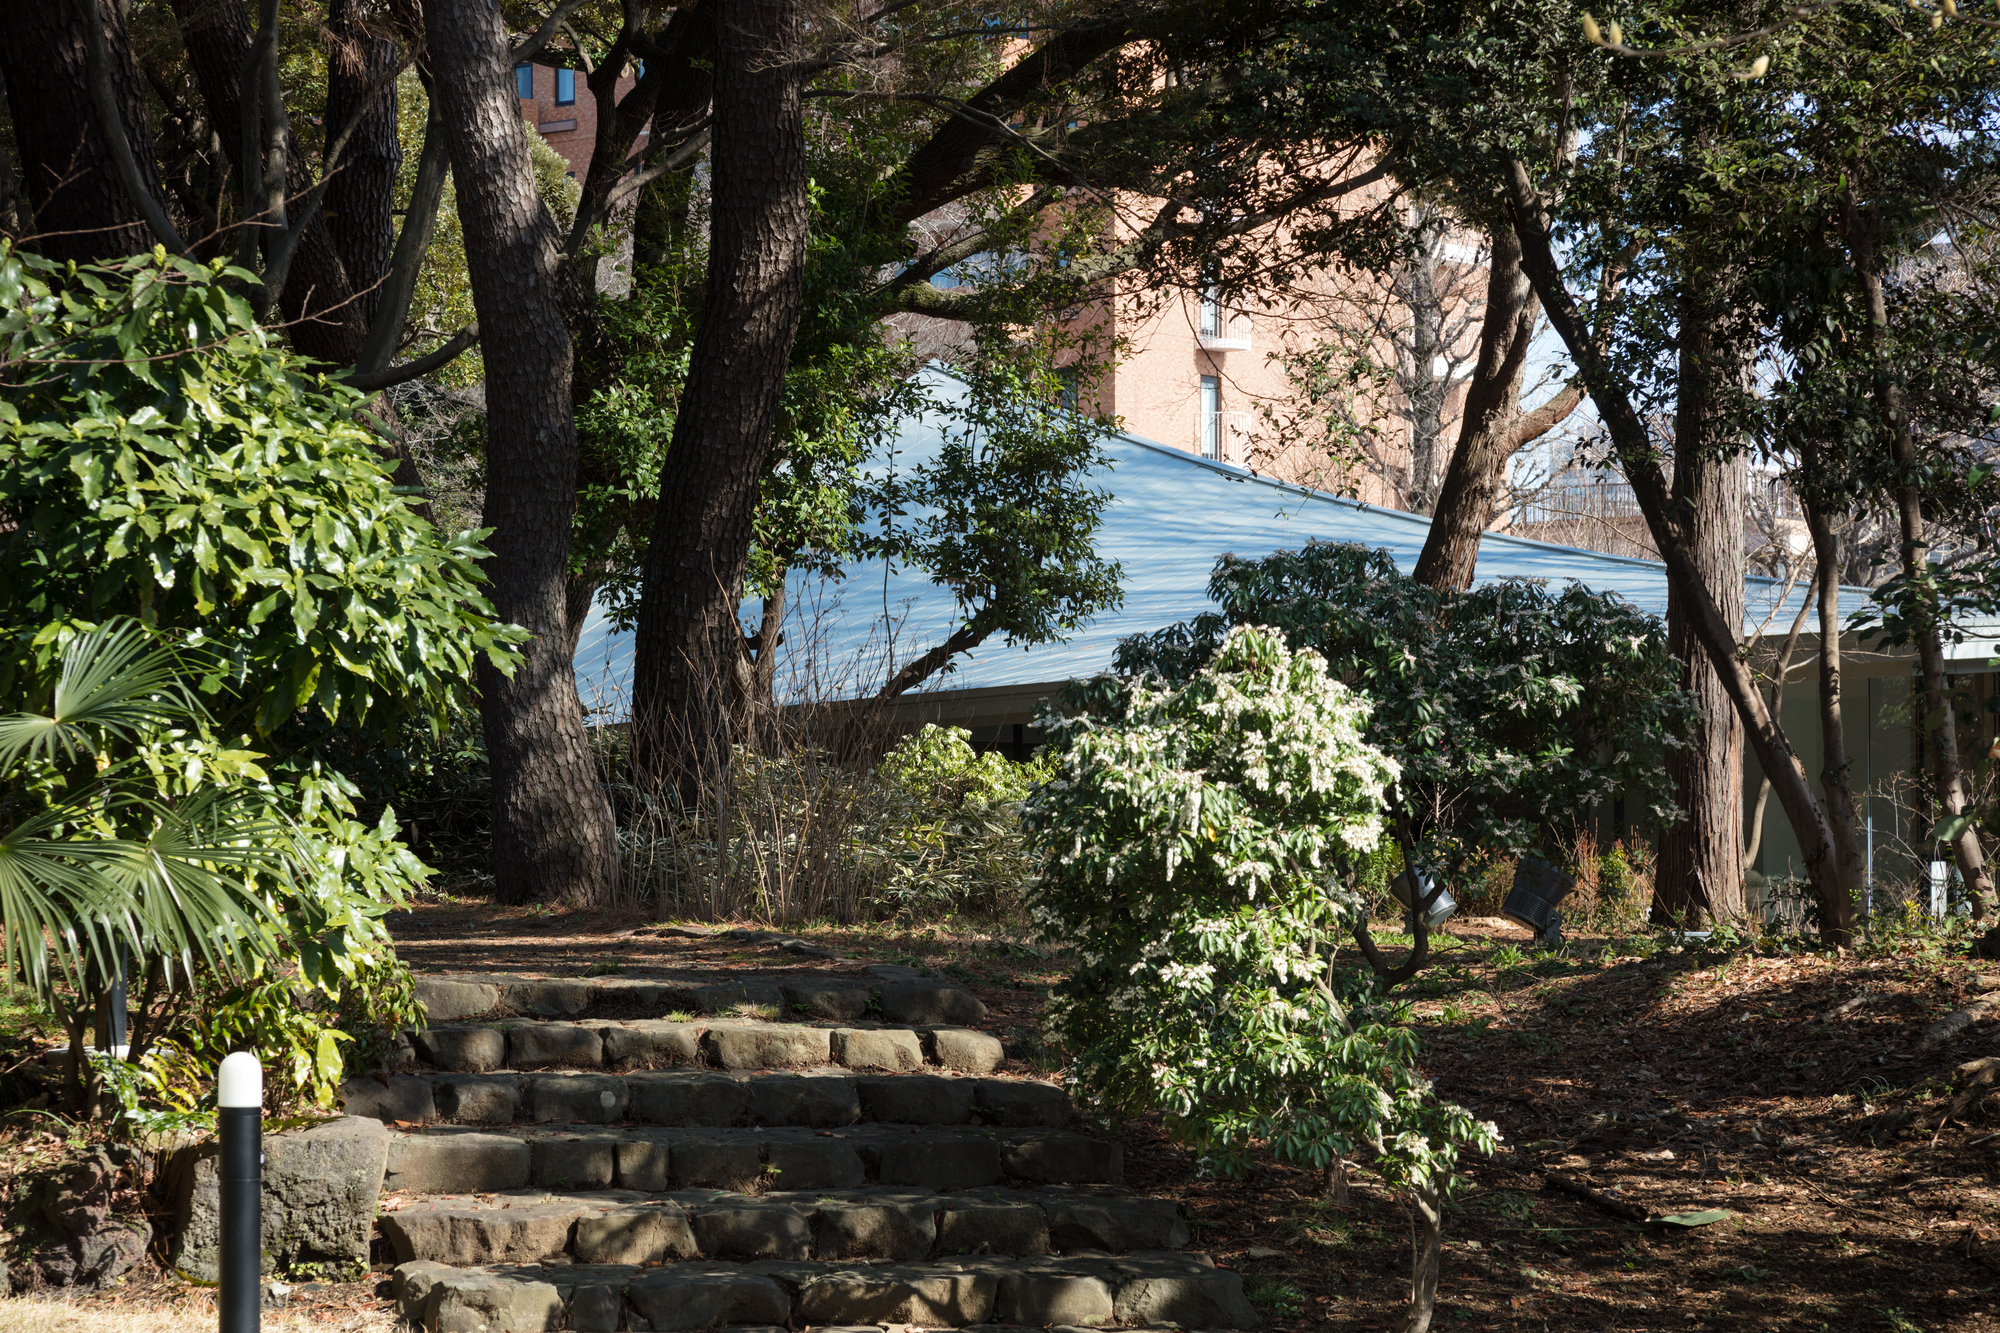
(325, 323)
(1425, 1252)
(553, 832)
(361, 197)
(1941, 729)
(1782, 669)
(1700, 874)
(1719, 636)
(79, 208)
(1842, 821)
(689, 641)
(1427, 388)
(1478, 465)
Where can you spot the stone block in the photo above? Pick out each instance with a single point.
(1038, 1300)
(651, 1043)
(1080, 1222)
(643, 1163)
(319, 1194)
(575, 1161)
(870, 1230)
(410, 1285)
(994, 1226)
(590, 1099)
(1198, 1299)
(1065, 1159)
(734, 997)
(890, 1050)
(894, 1295)
(548, 999)
(930, 1004)
(478, 1099)
(451, 1162)
(446, 1000)
(596, 1307)
(820, 1102)
(752, 1231)
(645, 994)
(941, 1163)
(400, 1098)
(766, 1045)
(524, 1232)
(690, 1296)
(815, 1164)
(648, 1235)
(824, 999)
(489, 1303)
(965, 1050)
(554, 1046)
(1021, 1104)
(470, 1050)
(688, 1099)
(702, 1161)
(917, 1099)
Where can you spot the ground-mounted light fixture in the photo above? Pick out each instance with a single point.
(1538, 888)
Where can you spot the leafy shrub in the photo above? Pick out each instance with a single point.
(954, 837)
(1513, 711)
(1201, 855)
(170, 817)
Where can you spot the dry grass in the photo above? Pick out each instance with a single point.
(191, 1313)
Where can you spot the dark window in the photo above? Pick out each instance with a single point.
(1066, 381)
(524, 80)
(565, 87)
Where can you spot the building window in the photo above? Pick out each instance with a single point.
(1209, 423)
(1066, 383)
(524, 81)
(565, 87)
(1210, 325)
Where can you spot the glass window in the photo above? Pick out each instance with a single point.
(1210, 421)
(565, 87)
(1066, 385)
(1211, 313)
(524, 80)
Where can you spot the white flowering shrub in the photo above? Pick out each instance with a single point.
(1201, 856)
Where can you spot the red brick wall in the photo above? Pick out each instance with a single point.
(572, 129)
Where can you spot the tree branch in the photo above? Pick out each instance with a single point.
(963, 639)
(532, 46)
(456, 347)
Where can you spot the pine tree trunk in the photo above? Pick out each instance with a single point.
(79, 208)
(1701, 857)
(324, 321)
(689, 643)
(553, 833)
(361, 197)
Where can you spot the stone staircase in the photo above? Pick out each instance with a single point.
(839, 1151)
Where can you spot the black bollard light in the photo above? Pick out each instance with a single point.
(239, 1099)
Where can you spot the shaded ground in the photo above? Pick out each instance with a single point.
(1674, 1079)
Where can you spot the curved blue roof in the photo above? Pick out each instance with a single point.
(1172, 514)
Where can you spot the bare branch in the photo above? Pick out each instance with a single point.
(541, 37)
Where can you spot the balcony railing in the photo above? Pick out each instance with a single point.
(1220, 329)
(1223, 436)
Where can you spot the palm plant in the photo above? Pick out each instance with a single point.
(117, 852)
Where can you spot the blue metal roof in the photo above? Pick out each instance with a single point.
(1173, 513)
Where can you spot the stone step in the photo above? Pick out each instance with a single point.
(461, 1161)
(888, 994)
(1138, 1290)
(632, 1227)
(719, 1043)
(819, 1099)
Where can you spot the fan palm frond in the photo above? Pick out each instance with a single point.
(116, 678)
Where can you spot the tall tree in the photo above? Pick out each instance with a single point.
(553, 831)
(687, 653)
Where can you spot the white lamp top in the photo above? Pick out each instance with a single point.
(240, 1082)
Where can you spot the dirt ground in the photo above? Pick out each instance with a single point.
(1789, 1088)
